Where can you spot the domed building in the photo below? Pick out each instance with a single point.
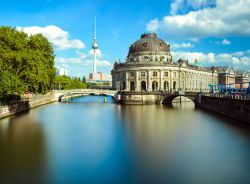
(149, 68)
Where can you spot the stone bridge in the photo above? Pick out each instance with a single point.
(64, 94)
(154, 97)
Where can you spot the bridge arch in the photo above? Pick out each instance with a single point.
(60, 95)
(168, 99)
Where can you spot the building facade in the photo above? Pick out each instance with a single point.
(149, 67)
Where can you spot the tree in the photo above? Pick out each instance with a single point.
(84, 79)
(66, 82)
(26, 62)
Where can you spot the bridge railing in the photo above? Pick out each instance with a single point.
(230, 96)
(85, 91)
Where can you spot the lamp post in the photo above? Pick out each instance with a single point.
(212, 68)
(179, 61)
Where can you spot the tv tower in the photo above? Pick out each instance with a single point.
(94, 47)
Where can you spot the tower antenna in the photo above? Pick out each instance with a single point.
(94, 47)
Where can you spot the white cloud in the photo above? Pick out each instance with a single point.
(184, 5)
(68, 60)
(104, 63)
(227, 18)
(84, 59)
(238, 61)
(176, 5)
(56, 35)
(226, 42)
(153, 25)
(223, 42)
(98, 52)
(182, 45)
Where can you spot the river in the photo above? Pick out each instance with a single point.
(88, 141)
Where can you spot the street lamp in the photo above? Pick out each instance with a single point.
(212, 68)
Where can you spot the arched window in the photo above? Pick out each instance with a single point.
(162, 58)
(154, 85)
(174, 85)
(166, 86)
(143, 86)
(132, 86)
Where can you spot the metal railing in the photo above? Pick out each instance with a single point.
(230, 96)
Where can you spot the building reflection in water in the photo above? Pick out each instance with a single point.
(179, 144)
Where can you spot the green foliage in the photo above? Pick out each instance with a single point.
(84, 79)
(26, 63)
(65, 82)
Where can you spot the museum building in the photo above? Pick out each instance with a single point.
(149, 66)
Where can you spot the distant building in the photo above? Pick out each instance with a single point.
(226, 76)
(230, 78)
(62, 71)
(242, 79)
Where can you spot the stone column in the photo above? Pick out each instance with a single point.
(161, 87)
(127, 83)
(170, 82)
(137, 82)
(149, 82)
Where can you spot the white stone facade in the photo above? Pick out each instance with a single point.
(162, 78)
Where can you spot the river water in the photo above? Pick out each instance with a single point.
(88, 141)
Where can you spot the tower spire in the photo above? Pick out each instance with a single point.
(94, 47)
(95, 27)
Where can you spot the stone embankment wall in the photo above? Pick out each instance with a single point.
(25, 105)
(233, 108)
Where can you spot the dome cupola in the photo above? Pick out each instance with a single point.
(149, 48)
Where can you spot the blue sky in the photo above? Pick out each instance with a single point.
(215, 32)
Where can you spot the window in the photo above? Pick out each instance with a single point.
(174, 74)
(132, 86)
(143, 74)
(154, 74)
(174, 85)
(132, 74)
(166, 74)
(166, 86)
(154, 85)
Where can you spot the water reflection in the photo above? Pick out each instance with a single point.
(89, 141)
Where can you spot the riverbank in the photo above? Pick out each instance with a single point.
(238, 109)
(26, 104)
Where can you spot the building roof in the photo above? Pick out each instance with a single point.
(149, 42)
